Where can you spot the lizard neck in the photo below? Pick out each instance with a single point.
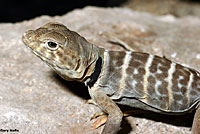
(90, 80)
(94, 67)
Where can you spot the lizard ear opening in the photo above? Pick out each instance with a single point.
(52, 45)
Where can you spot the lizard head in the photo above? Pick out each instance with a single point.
(65, 51)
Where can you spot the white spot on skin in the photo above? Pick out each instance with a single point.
(158, 83)
(180, 85)
(159, 65)
(134, 82)
(114, 63)
(180, 77)
(178, 93)
(48, 55)
(159, 71)
(135, 71)
(165, 79)
(43, 44)
(180, 102)
(30, 38)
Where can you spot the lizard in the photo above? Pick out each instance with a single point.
(129, 78)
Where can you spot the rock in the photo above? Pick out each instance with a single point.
(178, 8)
(33, 99)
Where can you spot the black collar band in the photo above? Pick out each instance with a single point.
(94, 76)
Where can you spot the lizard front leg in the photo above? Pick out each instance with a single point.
(108, 106)
(196, 122)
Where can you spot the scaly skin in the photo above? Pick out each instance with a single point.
(135, 79)
(73, 58)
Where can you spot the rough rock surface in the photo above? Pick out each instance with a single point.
(178, 8)
(34, 100)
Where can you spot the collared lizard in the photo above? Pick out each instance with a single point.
(134, 79)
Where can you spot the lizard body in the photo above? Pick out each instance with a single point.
(129, 78)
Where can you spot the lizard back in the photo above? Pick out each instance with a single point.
(149, 82)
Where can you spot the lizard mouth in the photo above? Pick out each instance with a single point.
(50, 62)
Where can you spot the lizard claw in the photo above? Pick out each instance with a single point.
(99, 122)
(90, 101)
(97, 115)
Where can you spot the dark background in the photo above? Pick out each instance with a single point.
(19, 10)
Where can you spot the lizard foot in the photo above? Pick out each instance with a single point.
(103, 117)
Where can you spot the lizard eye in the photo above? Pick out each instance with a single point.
(52, 45)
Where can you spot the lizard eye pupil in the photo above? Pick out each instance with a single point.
(52, 45)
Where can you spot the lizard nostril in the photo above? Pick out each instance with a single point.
(28, 36)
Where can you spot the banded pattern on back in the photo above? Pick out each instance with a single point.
(153, 80)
